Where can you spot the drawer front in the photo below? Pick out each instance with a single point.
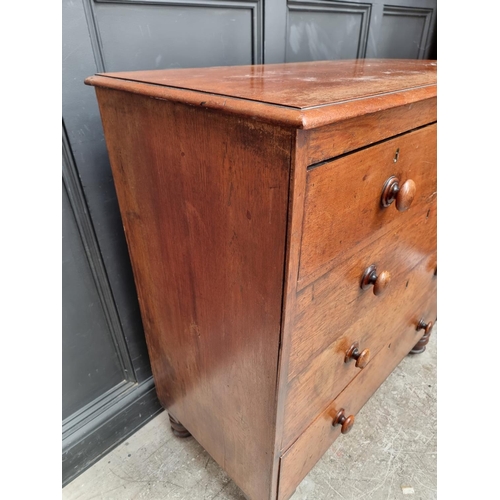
(301, 457)
(329, 372)
(339, 138)
(327, 307)
(343, 207)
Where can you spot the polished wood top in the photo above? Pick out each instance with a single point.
(297, 85)
(304, 94)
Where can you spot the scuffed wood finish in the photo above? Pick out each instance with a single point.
(252, 203)
(299, 459)
(201, 196)
(301, 95)
(343, 198)
(297, 85)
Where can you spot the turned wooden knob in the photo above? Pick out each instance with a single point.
(379, 281)
(361, 358)
(422, 343)
(345, 422)
(403, 195)
(427, 327)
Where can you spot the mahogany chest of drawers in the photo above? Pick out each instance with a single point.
(281, 222)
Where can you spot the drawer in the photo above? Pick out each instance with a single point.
(328, 373)
(343, 209)
(339, 138)
(327, 307)
(299, 458)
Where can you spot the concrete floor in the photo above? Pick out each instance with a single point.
(389, 454)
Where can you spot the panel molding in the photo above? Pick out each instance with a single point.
(255, 6)
(92, 411)
(396, 10)
(129, 412)
(94, 35)
(363, 9)
(80, 210)
(86, 434)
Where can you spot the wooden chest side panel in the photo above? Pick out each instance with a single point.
(204, 200)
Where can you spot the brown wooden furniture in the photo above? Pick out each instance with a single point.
(281, 222)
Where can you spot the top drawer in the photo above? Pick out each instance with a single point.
(343, 209)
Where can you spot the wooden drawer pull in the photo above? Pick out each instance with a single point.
(422, 343)
(345, 422)
(379, 281)
(361, 358)
(427, 327)
(403, 195)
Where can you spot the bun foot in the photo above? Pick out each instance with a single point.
(421, 344)
(177, 428)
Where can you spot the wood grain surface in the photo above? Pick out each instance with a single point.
(294, 236)
(297, 85)
(298, 460)
(328, 306)
(248, 263)
(327, 374)
(204, 200)
(342, 207)
(333, 140)
(303, 95)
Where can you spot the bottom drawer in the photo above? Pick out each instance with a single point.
(327, 373)
(301, 457)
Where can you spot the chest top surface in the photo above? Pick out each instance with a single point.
(304, 95)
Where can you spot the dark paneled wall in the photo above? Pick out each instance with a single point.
(319, 30)
(108, 391)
